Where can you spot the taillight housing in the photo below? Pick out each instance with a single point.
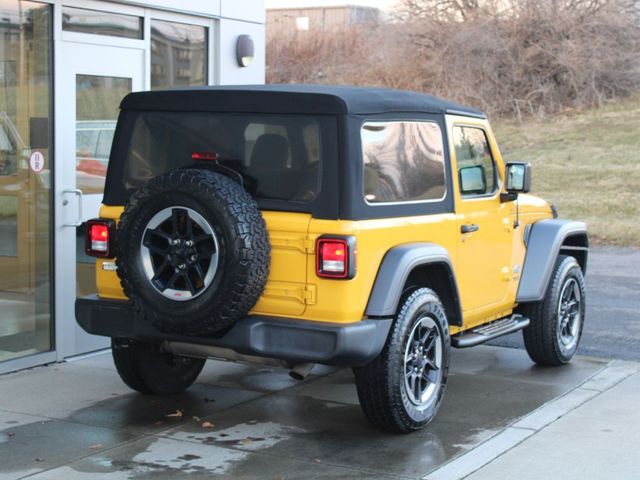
(336, 256)
(99, 237)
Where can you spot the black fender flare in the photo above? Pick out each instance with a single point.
(397, 265)
(545, 240)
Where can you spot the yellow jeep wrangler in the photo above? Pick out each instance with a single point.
(297, 225)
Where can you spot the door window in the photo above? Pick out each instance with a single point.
(476, 167)
(97, 106)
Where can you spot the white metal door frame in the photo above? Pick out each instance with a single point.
(107, 58)
(70, 205)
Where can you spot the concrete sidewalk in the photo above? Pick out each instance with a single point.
(591, 432)
(502, 416)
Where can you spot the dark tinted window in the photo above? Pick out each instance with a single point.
(403, 161)
(101, 23)
(476, 168)
(277, 155)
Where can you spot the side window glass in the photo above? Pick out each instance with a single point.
(403, 162)
(476, 168)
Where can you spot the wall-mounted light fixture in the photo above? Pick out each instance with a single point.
(244, 50)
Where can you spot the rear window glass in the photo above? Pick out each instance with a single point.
(403, 162)
(277, 156)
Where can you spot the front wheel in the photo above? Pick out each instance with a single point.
(402, 389)
(555, 330)
(145, 367)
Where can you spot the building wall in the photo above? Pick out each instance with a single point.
(246, 10)
(228, 71)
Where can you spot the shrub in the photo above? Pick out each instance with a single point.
(532, 57)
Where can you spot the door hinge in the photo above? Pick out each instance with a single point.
(305, 294)
(309, 295)
(304, 244)
(309, 244)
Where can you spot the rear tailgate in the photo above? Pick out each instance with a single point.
(287, 292)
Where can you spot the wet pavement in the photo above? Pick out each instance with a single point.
(78, 421)
(612, 324)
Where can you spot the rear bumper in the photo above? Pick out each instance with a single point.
(351, 344)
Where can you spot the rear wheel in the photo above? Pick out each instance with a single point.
(402, 389)
(145, 367)
(555, 330)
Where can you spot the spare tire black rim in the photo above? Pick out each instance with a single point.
(179, 251)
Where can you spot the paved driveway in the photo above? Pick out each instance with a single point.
(78, 421)
(612, 326)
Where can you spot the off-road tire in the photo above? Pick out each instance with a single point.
(144, 367)
(541, 337)
(380, 384)
(243, 251)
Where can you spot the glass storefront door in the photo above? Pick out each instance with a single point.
(94, 78)
(102, 52)
(26, 159)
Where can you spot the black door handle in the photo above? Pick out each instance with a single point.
(469, 228)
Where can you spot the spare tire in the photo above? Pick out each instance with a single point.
(192, 251)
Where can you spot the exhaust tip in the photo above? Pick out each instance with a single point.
(295, 375)
(301, 371)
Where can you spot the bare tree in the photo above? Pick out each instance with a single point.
(535, 56)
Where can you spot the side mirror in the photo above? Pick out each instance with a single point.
(472, 180)
(518, 177)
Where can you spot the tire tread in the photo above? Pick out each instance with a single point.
(380, 398)
(540, 336)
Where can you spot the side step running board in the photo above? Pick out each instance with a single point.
(490, 331)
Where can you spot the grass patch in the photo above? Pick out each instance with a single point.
(587, 163)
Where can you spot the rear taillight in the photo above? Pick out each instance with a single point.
(335, 257)
(99, 236)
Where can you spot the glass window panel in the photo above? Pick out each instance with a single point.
(101, 23)
(97, 101)
(25, 100)
(10, 144)
(268, 151)
(178, 54)
(472, 150)
(403, 162)
(8, 226)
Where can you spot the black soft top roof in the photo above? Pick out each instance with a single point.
(304, 99)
